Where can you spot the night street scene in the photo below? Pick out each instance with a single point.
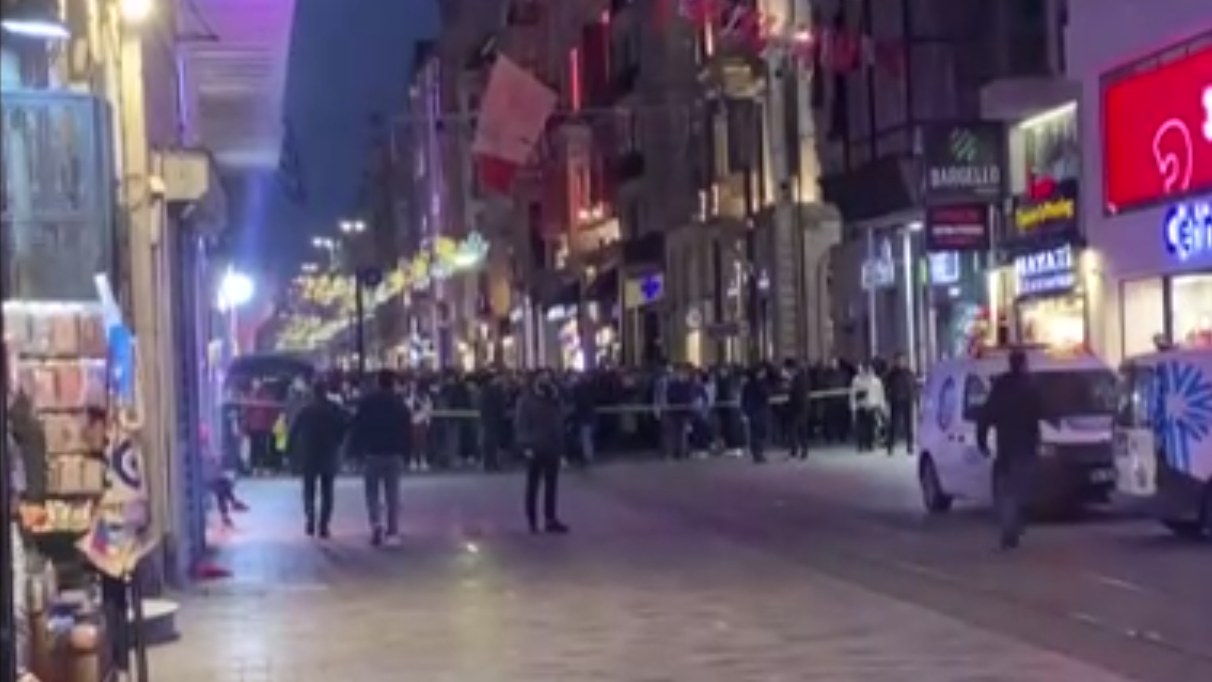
(606, 341)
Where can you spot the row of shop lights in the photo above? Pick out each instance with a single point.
(41, 19)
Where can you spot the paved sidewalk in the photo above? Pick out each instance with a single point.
(627, 597)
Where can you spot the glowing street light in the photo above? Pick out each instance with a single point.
(353, 227)
(236, 289)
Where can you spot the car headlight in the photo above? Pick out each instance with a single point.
(1047, 450)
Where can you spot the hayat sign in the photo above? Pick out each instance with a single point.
(1157, 127)
(1048, 272)
(1188, 230)
(963, 163)
(957, 228)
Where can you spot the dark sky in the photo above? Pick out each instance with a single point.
(350, 60)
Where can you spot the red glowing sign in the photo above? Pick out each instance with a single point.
(1157, 129)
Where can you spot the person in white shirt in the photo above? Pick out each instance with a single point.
(868, 405)
(420, 405)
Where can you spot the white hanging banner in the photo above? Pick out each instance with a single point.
(513, 114)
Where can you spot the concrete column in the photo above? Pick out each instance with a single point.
(144, 226)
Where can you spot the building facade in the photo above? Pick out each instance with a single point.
(1146, 103)
(922, 159)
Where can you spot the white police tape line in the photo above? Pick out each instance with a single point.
(624, 408)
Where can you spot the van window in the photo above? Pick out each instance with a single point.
(976, 392)
(1077, 393)
(1133, 409)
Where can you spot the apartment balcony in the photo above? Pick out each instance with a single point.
(734, 69)
(629, 167)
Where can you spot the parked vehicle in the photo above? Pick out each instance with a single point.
(1076, 458)
(1163, 438)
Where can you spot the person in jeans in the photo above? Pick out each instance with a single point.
(379, 435)
(539, 428)
(1015, 409)
(314, 446)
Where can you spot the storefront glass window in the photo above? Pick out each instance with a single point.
(1191, 302)
(1059, 322)
(1144, 315)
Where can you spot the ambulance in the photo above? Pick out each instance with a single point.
(1077, 465)
(1163, 438)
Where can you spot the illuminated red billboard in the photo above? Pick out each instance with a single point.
(1157, 127)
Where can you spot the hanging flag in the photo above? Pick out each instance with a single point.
(290, 166)
(512, 119)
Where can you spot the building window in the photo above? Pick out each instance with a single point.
(1191, 310)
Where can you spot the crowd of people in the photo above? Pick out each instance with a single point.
(393, 422)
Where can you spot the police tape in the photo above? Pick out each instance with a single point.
(620, 409)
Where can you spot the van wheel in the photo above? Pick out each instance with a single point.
(935, 499)
(1188, 530)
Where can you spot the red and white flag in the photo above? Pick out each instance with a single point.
(513, 116)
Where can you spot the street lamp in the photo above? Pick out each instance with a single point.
(236, 290)
(37, 19)
(352, 227)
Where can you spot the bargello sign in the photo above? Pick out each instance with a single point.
(963, 162)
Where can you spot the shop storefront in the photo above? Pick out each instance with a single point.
(1043, 243)
(1050, 304)
(1149, 226)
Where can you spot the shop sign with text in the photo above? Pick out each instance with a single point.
(963, 162)
(1188, 230)
(1047, 215)
(1053, 271)
(957, 228)
(1157, 127)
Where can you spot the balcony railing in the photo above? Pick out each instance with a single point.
(629, 166)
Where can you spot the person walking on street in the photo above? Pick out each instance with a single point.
(539, 431)
(755, 408)
(314, 446)
(901, 389)
(799, 408)
(867, 403)
(1015, 409)
(379, 435)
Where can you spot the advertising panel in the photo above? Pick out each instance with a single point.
(963, 162)
(1047, 215)
(958, 228)
(1046, 273)
(1157, 127)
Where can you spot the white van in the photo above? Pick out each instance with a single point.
(1163, 437)
(1077, 459)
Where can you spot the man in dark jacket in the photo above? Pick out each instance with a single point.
(1014, 408)
(900, 388)
(539, 430)
(314, 446)
(799, 408)
(379, 434)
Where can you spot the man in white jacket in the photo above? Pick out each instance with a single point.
(868, 404)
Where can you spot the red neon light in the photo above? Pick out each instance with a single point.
(574, 79)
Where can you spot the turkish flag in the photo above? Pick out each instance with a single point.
(496, 174)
